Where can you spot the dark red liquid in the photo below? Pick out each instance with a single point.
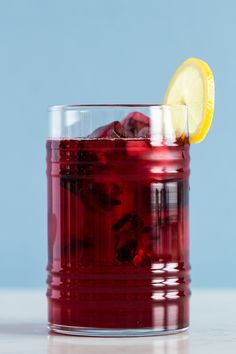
(118, 234)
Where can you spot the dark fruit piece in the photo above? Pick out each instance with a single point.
(141, 258)
(133, 221)
(128, 230)
(126, 253)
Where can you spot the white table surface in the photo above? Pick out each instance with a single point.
(23, 329)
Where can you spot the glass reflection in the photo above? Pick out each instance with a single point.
(170, 344)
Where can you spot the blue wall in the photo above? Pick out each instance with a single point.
(73, 51)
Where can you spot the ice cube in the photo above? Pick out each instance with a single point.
(135, 123)
(144, 133)
(111, 130)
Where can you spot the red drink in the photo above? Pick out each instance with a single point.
(118, 235)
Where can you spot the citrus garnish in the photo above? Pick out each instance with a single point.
(193, 85)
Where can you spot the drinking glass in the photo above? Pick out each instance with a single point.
(118, 225)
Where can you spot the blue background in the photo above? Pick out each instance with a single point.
(106, 51)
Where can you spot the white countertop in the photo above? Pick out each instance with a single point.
(23, 329)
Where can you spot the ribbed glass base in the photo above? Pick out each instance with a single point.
(94, 332)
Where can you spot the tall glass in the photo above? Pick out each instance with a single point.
(118, 226)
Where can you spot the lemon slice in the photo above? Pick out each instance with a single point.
(193, 85)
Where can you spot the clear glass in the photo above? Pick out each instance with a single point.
(118, 226)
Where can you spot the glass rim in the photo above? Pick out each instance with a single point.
(68, 107)
(81, 120)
